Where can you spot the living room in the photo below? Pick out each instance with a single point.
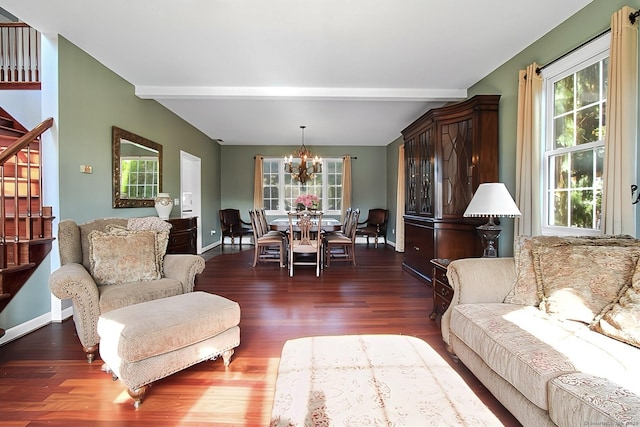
(84, 138)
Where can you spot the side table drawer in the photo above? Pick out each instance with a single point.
(440, 304)
(443, 290)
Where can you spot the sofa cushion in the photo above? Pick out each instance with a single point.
(124, 257)
(100, 224)
(125, 294)
(593, 400)
(577, 282)
(525, 289)
(528, 347)
(621, 319)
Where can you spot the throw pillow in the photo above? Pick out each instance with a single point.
(148, 223)
(577, 281)
(525, 289)
(119, 258)
(162, 240)
(621, 319)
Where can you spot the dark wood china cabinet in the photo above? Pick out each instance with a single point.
(449, 151)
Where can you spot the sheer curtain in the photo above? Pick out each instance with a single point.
(258, 188)
(346, 185)
(528, 152)
(618, 212)
(400, 202)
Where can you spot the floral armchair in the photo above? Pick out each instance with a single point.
(107, 264)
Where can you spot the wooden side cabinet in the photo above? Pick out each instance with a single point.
(442, 291)
(183, 236)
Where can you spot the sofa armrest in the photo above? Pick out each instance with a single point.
(478, 280)
(183, 268)
(73, 281)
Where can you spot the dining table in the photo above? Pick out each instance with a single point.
(328, 224)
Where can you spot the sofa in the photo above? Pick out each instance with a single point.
(554, 331)
(110, 263)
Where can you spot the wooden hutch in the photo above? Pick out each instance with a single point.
(449, 151)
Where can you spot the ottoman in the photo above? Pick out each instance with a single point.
(145, 342)
(371, 380)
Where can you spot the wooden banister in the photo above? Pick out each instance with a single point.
(25, 140)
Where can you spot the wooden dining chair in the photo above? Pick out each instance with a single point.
(268, 246)
(342, 246)
(305, 240)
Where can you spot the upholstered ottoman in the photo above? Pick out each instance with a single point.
(145, 342)
(358, 380)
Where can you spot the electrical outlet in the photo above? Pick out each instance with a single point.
(393, 231)
(213, 232)
(176, 202)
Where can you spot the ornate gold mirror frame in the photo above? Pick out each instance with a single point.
(124, 144)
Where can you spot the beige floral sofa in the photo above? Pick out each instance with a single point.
(111, 263)
(554, 332)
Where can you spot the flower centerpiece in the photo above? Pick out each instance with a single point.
(307, 201)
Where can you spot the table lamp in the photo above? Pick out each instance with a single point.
(493, 200)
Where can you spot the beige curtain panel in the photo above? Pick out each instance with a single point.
(346, 185)
(528, 153)
(618, 213)
(400, 202)
(258, 188)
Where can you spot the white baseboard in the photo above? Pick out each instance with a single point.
(31, 325)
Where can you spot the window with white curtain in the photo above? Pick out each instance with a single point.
(575, 91)
(280, 191)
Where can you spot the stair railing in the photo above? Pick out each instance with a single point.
(19, 56)
(13, 152)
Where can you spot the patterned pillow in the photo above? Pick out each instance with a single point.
(525, 289)
(621, 319)
(148, 223)
(576, 282)
(121, 256)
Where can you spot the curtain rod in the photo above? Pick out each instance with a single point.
(353, 158)
(632, 18)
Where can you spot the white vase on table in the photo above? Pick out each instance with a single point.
(163, 205)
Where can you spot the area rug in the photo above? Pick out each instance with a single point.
(371, 380)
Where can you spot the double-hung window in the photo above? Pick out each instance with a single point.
(281, 191)
(575, 91)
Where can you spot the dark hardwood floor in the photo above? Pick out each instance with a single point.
(45, 380)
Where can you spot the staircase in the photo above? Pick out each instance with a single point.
(25, 225)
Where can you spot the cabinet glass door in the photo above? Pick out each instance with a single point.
(457, 167)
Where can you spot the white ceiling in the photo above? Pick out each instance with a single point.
(355, 72)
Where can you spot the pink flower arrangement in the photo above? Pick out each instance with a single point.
(307, 199)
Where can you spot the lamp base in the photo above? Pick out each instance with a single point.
(490, 232)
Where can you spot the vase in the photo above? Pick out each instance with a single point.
(163, 205)
(300, 207)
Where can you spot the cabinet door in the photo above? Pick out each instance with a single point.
(411, 176)
(456, 167)
(425, 150)
(418, 249)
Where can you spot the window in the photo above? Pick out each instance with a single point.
(139, 178)
(280, 191)
(575, 90)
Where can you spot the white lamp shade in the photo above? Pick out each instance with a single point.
(492, 199)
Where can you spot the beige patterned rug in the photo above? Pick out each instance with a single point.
(371, 380)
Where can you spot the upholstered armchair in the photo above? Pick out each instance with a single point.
(105, 265)
(375, 225)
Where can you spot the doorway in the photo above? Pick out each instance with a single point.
(190, 191)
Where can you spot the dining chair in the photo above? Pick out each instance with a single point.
(375, 225)
(305, 240)
(342, 247)
(233, 226)
(343, 228)
(268, 246)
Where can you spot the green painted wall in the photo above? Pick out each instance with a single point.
(369, 173)
(92, 99)
(590, 21)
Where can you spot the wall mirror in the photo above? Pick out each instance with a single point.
(137, 170)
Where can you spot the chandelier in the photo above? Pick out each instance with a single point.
(308, 166)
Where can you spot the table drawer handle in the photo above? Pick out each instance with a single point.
(417, 249)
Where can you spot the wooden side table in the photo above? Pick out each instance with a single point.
(183, 236)
(442, 292)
